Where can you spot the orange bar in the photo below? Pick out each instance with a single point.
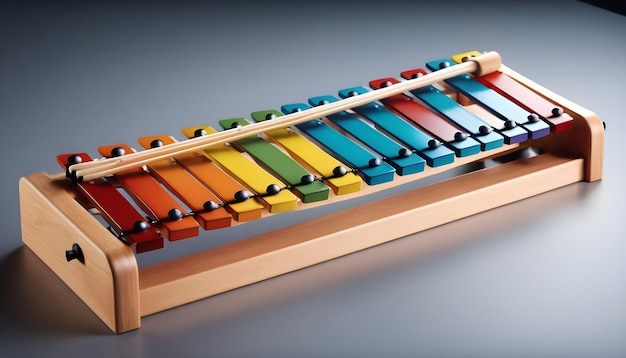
(224, 186)
(152, 198)
(215, 179)
(180, 182)
(265, 186)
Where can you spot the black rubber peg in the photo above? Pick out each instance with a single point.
(241, 196)
(459, 137)
(509, 124)
(339, 171)
(199, 133)
(118, 152)
(74, 159)
(272, 189)
(404, 153)
(532, 118)
(210, 205)
(156, 143)
(175, 214)
(374, 162)
(307, 179)
(76, 253)
(433, 143)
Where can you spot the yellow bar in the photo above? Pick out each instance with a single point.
(248, 172)
(224, 185)
(214, 178)
(317, 159)
(458, 58)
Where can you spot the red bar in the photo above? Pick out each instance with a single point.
(115, 209)
(154, 200)
(527, 99)
(419, 114)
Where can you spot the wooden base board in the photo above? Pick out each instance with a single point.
(112, 285)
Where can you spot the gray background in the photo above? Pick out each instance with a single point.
(542, 277)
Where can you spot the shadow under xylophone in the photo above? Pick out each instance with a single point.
(469, 108)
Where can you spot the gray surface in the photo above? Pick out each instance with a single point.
(542, 277)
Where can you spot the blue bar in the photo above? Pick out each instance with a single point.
(450, 109)
(494, 102)
(371, 168)
(408, 134)
(460, 142)
(401, 158)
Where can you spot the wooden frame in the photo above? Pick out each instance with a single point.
(110, 282)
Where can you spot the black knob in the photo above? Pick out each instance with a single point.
(75, 253)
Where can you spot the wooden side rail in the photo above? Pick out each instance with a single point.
(217, 270)
(586, 139)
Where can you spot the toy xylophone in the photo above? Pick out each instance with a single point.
(466, 109)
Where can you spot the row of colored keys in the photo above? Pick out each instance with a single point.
(401, 135)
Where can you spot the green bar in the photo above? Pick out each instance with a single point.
(281, 164)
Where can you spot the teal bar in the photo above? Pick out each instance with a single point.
(408, 134)
(401, 158)
(368, 166)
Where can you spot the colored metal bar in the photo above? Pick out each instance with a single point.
(494, 102)
(204, 204)
(408, 134)
(481, 130)
(290, 171)
(121, 215)
(529, 100)
(522, 96)
(222, 184)
(311, 155)
(269, 189)
(398, 156)
(169, 216)
(370, 167)
(454, 137)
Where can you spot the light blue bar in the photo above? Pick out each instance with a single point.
(494, 102)
(452, 110)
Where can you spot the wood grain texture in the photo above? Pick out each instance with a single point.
(585, 139)
(52, 221)
(257, 258)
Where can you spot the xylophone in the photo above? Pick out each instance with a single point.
(459, 111)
